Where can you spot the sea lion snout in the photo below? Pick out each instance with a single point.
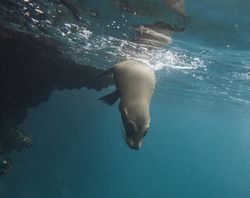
(133, 144)
(134, 134)
(136, 125)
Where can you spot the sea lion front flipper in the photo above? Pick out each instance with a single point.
(111, 98)
(107, 72)
(101, 80)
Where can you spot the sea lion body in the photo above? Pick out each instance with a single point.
(135, 83)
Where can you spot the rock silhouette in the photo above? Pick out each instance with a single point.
(31, 69)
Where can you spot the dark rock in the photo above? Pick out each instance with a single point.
(5, 166)
(30, 69)
(14, 139)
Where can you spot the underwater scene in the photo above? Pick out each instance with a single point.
(124, 99)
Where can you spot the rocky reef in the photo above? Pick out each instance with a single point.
(31, 68)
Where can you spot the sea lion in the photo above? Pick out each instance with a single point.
(156, 34)
(135, 83)
(156, 8)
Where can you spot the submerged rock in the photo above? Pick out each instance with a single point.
(14, 139)
(5, 166)
(31, 68)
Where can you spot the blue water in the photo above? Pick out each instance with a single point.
(199, 139)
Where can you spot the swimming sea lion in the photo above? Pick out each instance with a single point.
(156, 8)
(156, 34)
(135, 83)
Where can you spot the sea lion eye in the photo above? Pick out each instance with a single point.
(130, 129)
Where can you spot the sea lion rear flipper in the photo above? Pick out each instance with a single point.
(111, 98)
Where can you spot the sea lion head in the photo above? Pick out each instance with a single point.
(136, 125)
